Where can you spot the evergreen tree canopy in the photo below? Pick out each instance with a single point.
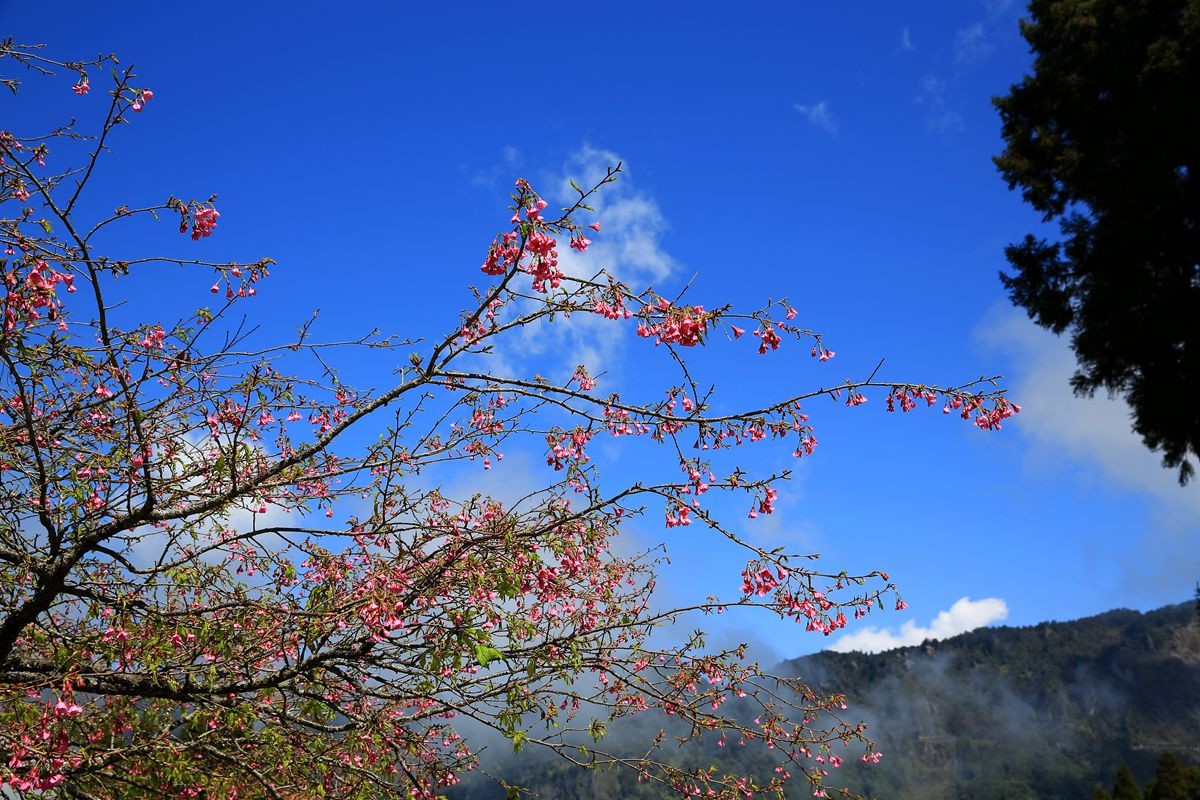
(1125, 787)
(1170, 781)
(1104, 139)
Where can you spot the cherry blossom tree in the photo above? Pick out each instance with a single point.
(208, 592)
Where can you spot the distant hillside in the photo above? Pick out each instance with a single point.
(1045, 712)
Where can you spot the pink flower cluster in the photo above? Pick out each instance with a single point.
(988, 420)
(682, 325)
(612, 310)
(568, 448)
(502, 254)
(204, 219)
(761, 581)
(29, 294)
(768, 338)
(543, 264)
(817, 610)
(140, 99)
(581, 242)
(532, 246)
(908, 399)
(40, 760)
(586, 381)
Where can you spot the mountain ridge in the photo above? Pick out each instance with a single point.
(1047, 711)
(1066, 702)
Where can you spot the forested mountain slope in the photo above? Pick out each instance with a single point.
(1048, 711)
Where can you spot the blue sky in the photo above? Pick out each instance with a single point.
(840, 157)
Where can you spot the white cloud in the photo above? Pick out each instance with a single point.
(629, 247)
(971, 44)
(965, 615)
(1096, 431)
(906, 39)
(819, 115)
(516, 477)
(147, 546)
(939, 117)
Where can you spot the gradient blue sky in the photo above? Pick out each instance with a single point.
(841, 157)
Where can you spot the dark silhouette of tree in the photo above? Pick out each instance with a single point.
(1125, 787)
(1169, 782)
(1173, 780)
(1104, 139)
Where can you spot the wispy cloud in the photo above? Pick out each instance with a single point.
(1095, 431)
(965, 615)
(906, 42)
(931, 87)
(945, 122)
(998, 7)
(971, 44)
(499, 173)
(819, 115)
(939, 117)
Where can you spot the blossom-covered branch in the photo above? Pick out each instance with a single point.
(212, 587)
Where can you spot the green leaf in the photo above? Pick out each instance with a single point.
(518, 739)
(485, 654)
(507, 588)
